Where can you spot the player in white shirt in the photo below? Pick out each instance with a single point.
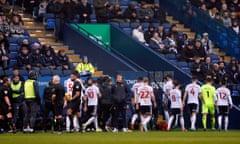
(224, 102)
(134, 89)
(92, 94)
(167, 86)
(192, 94)
(144, 103)
(68, 84)
(175, 97)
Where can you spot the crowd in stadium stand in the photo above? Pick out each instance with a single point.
(226, 12)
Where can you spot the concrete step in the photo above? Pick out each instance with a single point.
(183, 29)
(34, 28)
(227, 59)
(52, 43)
(38, 32)
(42, 35)
(180, 26)
(27, 19)
(215, 50)
(98, 74)
(29, 24)
(169, 18)
(173, 21)
(191, 34)
(221, 54)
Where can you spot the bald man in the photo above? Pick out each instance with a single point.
(58, 101)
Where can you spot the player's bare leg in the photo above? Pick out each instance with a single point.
(226, 121)
(134, 118)
(170, 122)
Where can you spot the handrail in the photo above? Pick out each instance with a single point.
(109, 47)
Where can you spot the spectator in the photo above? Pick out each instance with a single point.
(48, 47)
(222, 71)
(224, 9)
(63, 60)
(233, 62)
(85, 67)
(208, 66)
(149, 33)
(4, 25)
(227, 22)
(234, 75)
(101, 7)
(197, 69)
(206, 43)
(212, 12)
(23, 58)
(233, 16)
(170, 43)
(159, 14)
(156, 44)
(145, 13)
(235, 4)
(36, 59)
(84, 10)
(4, 51)
(138, 34)
(214, 73)
(29, 5)
(182, 42)
(188, 52)
(49, 61)
(69, 10)
(16, 28)
(59, 16)
(218, 17)
(130, 14)
(199, 50)
(161, 32)
(42, 8)
(203, 8)
(50, 6)
(173, 30)
(212, 4)
(116, 14)
(16, 73)
(5, 7)
(235, 27)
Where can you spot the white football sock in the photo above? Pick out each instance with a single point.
(134, 117)
(220, 122)
(226, 123)
(75, 123)
(170, 122)
(182, 122)
(166, 114)
(89, 121)
(67, 123)
(193, 121)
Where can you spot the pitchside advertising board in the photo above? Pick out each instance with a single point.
(99, 31)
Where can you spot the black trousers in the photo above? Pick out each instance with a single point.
(32, 109)
(20, 107)
(47, 108)
(106, 112)
(119, 111)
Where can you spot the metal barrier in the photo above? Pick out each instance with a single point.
(200, 22)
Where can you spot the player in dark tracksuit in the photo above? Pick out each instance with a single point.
(47, 103)
(74, 104)
(58, 100)
(5, 106)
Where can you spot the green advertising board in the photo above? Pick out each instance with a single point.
(99, 31)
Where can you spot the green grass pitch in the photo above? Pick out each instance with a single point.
(174, 137)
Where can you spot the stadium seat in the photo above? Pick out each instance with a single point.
(171, 58)
(12, 63)
(134, 25)
(145, 25)
(124, 25)
(56, 72)
(45, 72)
(115, 24)
(1, 71)
(183, 65)
(13, 47)
(50, 24)
(12, 39)
(13, 55)
(128, 32)
(46, 17)
(23, 72)
(67, 72)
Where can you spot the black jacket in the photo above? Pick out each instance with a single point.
(87, 9)
(106, 91)
(120, 93)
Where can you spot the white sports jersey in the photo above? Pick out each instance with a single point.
(135, 88)
(144, 95)
(92, 93)
(193, 90)
(175, 98)
(68, 84)
(223, 96)
(167, 86)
